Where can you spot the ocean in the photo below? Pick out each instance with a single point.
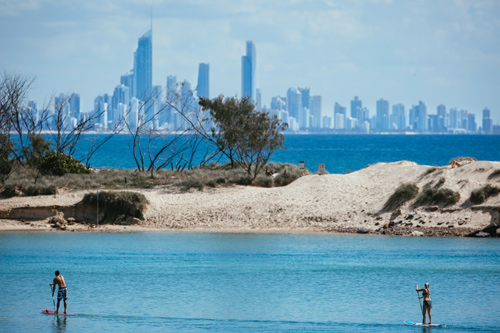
(339, 153)
(198, 282)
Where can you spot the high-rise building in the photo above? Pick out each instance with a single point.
(316, 111)
(453, 118)
(383, 115)
(248, 63)
(258, 99)
(339, 120)
(463, 119)
(278, 103)
(294, 103)
(441, 118)
(306, 95)
(203, 80)
(471, 122)
(487, 121)
(398, 117)
(421, 117)
(128, 81)
(143, 67)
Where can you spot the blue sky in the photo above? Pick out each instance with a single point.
(437, 51)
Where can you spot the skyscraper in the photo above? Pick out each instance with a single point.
(294, 103)
(316, 111)
(143, 67)
(203, 80)
(487, 122)
(398, 119)
(258, 99)
(248, 63)
(357, 109)
(382, 114)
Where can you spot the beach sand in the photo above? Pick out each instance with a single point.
(315, 203)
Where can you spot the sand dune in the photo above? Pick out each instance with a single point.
(316, 203)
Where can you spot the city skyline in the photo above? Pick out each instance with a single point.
(452, 59)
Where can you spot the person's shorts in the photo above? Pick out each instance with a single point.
(62, 294)
(428, 303)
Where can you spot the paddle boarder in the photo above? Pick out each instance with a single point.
(426, 295)
(62, 292)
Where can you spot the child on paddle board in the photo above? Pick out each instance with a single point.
(426, 295)
(62, 293)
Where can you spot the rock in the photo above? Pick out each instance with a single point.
(409, 216)
(377, 223)
(386, 226)
(132, 220)
(71, 220)
(417, 233)
(57, 220)
(391, 224)
(482, 234)
(432, 208)
(362, 231)
(409, 224)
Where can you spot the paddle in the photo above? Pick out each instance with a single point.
(53, 302)
(420, 302)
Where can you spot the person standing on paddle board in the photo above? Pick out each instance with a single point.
(426, 295)
(62, 293)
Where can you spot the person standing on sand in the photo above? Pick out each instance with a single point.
(426, 295)
(62, 293)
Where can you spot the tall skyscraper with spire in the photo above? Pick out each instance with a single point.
(143, 67)
(203, 80)
(248, 63)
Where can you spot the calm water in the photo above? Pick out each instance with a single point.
(340, 152)
(157, 282)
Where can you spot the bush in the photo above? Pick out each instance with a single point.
(244, 180)
(118, 205)
(263, 181)
(10, 191)
(34, 190)
(405, 192)
(481, 195)
(437, 196)
(494, 174)
(287, 176)
(188, 184)
(61, 164)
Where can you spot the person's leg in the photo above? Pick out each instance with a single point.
(58, 303)
(423, 313)
(430, 317)
(66, 305)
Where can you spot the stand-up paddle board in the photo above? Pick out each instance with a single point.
(411, 323)
(50, 312)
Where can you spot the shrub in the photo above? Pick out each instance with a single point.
(481, 195)
(437, 196)
(220, 180)
(263, 181)
(118, 205)
(439, 183)
(494, 174)
(244, 180)
(403, 193)
(61, 164)
(34, 190)
(10, 191)
(188, 184)
(211, 183)
(287, 176)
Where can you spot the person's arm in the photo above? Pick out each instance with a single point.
(53, 287)
(419, 290)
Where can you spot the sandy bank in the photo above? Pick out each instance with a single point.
(328, 203)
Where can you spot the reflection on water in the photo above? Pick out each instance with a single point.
(59, 324)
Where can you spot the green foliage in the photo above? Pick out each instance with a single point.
(263, 181)
(12, 190)
(188, 184)
(246, 136)
(481, 195)
(437, 196)
(117, 205)
(37, 149)
(287, 175)
(61, 164)
(404, 193)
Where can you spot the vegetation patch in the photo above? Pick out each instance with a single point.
(481, 195)
(433, 195)
(12, 190)
(461, 160)
(404, 193)
(494, 174)
(61, 164)
(117, 206)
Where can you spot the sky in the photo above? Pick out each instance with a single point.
(435, 51)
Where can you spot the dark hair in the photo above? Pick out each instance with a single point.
(57, 273)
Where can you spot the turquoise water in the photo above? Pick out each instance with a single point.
(157, 282)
